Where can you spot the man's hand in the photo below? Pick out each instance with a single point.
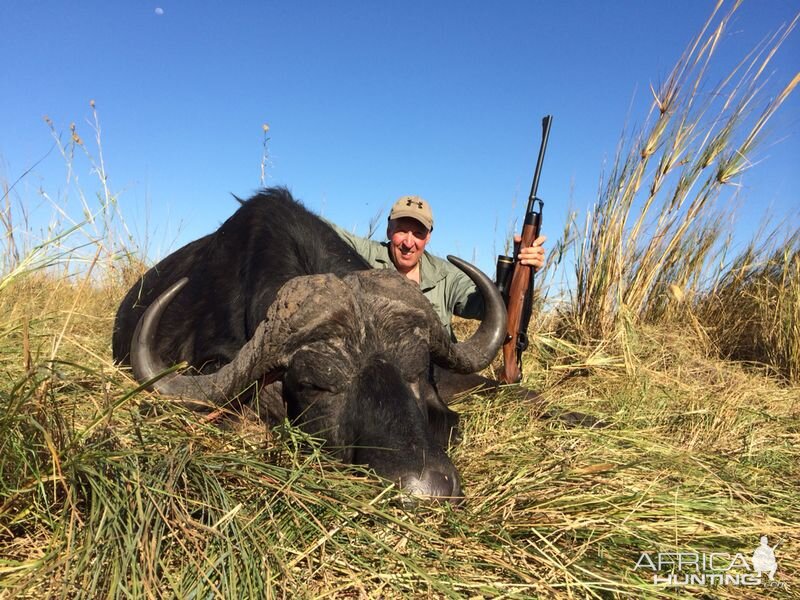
(533, 256)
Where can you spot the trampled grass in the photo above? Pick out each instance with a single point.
(667, 417)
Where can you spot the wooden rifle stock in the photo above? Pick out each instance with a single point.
(520, 292)
(518, 297)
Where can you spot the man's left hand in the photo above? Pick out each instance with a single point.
(533, 256)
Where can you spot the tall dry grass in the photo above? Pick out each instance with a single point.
(662, 214)
(77, 231)
(752, 313)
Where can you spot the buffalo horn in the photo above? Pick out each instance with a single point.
(478, 351)
(257, 358)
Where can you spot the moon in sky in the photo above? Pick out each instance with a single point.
(159, 11)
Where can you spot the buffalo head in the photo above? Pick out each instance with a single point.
(353, 356)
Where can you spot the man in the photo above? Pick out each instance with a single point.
(448, 289)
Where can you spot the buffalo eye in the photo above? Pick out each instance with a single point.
(312, 386)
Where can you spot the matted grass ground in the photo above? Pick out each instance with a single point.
(102, 499)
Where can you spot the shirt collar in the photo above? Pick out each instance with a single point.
(430, 271)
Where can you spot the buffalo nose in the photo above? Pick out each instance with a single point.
(438, 483)
(434, 485)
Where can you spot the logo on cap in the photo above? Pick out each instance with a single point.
(414, 207)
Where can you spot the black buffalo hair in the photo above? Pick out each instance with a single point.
(234, 275)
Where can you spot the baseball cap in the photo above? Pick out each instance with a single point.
(414, 207)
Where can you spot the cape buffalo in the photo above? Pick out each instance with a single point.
(275, 298)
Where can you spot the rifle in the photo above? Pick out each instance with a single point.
(519, 294)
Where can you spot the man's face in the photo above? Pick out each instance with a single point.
(407, 240)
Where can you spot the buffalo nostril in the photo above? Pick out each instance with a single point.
(439, 484)
(433, 485)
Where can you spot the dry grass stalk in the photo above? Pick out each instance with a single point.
(753, 311)
(657, 225)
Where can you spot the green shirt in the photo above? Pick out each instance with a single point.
(447, 288)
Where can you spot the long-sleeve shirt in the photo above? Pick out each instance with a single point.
(447, 288)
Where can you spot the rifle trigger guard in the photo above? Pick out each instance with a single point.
(522, 342)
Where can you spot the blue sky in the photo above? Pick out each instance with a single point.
(366, 101)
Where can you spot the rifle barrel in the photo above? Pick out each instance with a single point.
(546, 122)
